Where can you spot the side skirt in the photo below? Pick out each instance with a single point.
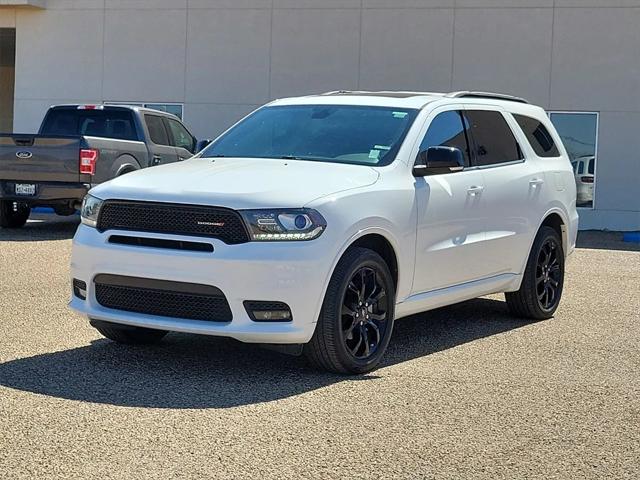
(422, 302)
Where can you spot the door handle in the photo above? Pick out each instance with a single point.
(534, 182)
(475, 190)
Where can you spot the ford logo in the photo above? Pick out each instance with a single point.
(24, 155)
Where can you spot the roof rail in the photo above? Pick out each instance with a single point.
(337, 92)
(381, 93)
(494, 96)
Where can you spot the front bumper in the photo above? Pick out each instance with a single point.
(295, 273)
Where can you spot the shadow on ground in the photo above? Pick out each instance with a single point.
(189, 371)
(42, 226)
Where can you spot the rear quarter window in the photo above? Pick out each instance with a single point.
(538, 136)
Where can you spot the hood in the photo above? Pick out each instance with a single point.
(238, 183)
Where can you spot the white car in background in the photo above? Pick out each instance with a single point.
(316, 222)
(584, 171)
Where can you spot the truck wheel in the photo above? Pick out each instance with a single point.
(64, 211)
(127, 334)
(541, 289)
(357, 315)
(13, 214)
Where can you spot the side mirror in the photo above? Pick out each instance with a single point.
(438, 160)
(202, 144)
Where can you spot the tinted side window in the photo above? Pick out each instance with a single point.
(179, 135)
(538, 136)
(447, 130)
(494, 142)
(157, 132)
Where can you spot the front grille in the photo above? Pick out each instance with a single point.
(162, 298)
(176, 219)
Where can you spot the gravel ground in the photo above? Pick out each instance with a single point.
(466, 391)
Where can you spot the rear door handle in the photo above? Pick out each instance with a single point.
(534, 182)
(475, 190)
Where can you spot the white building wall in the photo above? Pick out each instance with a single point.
(222, 58)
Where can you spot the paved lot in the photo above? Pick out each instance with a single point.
(466, 392)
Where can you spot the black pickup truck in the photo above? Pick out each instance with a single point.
(79, 146)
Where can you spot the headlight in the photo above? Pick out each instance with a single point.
(284, 225)
(90, 210)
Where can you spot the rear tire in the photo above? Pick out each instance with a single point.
(128, 335)
(13, 214)
(356, 320)
(543, 280)
(64, 211)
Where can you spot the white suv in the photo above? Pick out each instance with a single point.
(315, 222)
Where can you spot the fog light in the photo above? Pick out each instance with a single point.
(268, 311)
(80, 289)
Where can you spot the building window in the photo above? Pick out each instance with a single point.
(172, 108)
(579, 133)
(176, 109)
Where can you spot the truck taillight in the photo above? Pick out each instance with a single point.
(88, 159)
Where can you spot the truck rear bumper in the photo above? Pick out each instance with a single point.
(46, 193)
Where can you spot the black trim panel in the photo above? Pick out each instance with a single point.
(161, 243)
(153, 284)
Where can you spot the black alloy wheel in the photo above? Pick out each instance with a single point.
(356, 320)
(543, 280)
(548, 275)
(364, 313)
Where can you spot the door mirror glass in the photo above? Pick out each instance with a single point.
(202, 144)
(439, 160)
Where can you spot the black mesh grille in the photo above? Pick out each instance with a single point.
(176, 219)
(162, 298)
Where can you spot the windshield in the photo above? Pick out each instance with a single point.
(327, 133)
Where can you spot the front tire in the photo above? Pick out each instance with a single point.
(13, 214)
(356, 320)
(543, 280)
(128, 335)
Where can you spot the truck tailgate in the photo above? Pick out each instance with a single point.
(40, 158)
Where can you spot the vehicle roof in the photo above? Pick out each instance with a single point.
(135, 108)
(406, 99)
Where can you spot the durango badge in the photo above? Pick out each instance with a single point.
(211, 224)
